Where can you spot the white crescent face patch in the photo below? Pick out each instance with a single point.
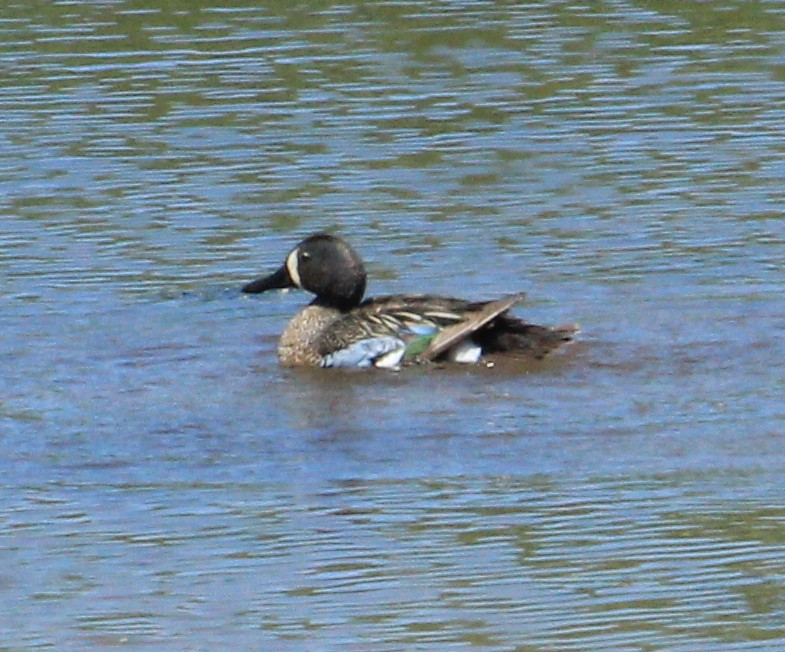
(291, 267)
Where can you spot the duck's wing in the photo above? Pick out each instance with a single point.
(471, 322)
(387, 331)
(426, 326)
(443, 324)
(413, 320)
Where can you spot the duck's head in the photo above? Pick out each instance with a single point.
(322, 264)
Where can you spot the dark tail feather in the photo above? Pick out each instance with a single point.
(509, 334)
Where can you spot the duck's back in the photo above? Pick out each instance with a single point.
(402, 316)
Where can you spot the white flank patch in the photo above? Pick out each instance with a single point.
(391, 360)
(465, 352)
(291, 267)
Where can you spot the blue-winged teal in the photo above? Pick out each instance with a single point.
(339, 329)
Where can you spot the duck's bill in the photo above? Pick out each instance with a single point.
(276, 281)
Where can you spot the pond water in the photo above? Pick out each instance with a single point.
(165, 485)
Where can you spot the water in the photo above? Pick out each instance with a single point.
(165, 485)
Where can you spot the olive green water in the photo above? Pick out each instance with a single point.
(164, 485)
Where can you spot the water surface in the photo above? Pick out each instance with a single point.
(165, 485)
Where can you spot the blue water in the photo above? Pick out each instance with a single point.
(165, 485)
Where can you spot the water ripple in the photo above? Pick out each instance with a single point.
(166, 485)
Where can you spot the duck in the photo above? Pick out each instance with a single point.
(340, 328)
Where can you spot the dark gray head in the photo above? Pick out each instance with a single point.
(322, 264)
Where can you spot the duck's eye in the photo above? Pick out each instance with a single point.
(304, 255)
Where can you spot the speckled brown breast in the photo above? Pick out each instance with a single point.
(299, 343)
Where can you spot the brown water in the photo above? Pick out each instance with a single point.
(165, 485)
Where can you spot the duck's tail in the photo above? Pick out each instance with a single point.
(509, 334)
